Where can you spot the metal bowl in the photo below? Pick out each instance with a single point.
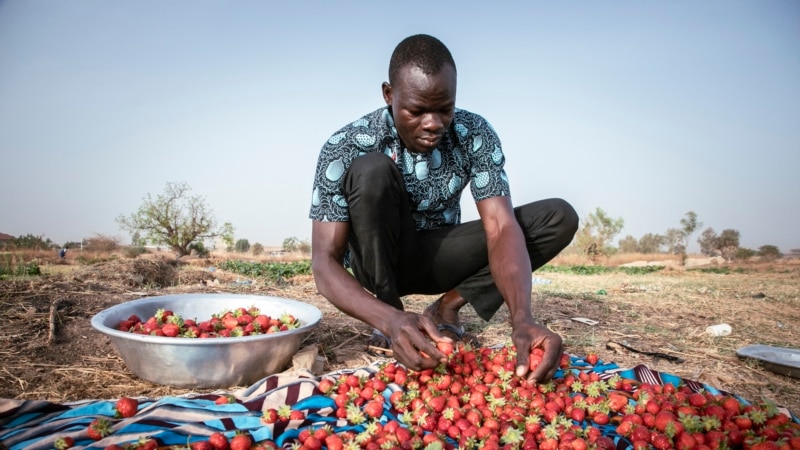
(206, 363)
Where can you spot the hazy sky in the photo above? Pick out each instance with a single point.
(645, 109)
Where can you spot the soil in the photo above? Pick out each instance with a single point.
(49, 351)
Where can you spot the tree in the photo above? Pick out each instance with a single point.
(689, 225)
(651, 243)
(290, 244)
(708, 241)
(628, 245)
(673, 240)
(728, 243)
(137, 240)
(176, 219)
(769, 252)
(258, 249)
(242, 246)
(32, 242)
(598, 230)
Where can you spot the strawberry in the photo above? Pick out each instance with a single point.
(170, 330)
(269, 416)
(201, 445)
(241, 441)
(219, 441)
(445, 347)
(98, 429)
(326, 385)
(592, 359)
(334, 442)
(535, 358)
(374, 409)
(126, 407)
(225, 399)
(63, 443)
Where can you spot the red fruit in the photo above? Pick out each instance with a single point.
(297, 415)
(326, 385)
(201, 445)
(218, 441)
(98, 429)
(225, 399)
(445, 347)
(146, 444)
(171, 330)
(535, 358)
(660, 441)
(269, 416)
(126, 407)
(592, 358)
(664, 419)
(311, 443)
(242, 441)
(63, 443)
(374, 408)
(334, 442)
(616, 401)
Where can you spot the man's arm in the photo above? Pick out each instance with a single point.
(511, 269)
(410, 332)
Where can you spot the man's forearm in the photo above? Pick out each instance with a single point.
(511, 269)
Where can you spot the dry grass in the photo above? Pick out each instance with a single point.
(663, 312)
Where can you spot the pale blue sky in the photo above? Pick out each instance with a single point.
(645, 109)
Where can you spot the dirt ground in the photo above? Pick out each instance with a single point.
(48, 349)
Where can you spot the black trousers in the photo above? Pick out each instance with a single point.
(390, 258)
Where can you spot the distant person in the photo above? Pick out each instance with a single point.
(385, 202)
(63, 252)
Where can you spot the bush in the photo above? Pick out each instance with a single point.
(101, 243)
(10, 266)
(242, 246)
(199, 249)
(258, 249)
(133, 252)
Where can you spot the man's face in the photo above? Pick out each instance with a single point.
(422, 106)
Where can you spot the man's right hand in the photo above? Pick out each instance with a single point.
(412, 335)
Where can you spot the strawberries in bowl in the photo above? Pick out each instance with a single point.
(232, 358)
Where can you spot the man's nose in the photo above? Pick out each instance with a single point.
(432, 121)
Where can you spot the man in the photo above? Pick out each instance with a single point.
(386, 201)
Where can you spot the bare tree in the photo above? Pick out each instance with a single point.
(176, 219)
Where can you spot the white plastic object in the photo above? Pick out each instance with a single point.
(722, 329)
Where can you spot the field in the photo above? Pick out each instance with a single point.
(49, 350)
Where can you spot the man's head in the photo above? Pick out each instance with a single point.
(421, 91)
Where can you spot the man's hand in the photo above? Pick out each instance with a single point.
(528, 335)
(412, 335)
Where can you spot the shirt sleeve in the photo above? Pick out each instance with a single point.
(487, 175)
(328, 203)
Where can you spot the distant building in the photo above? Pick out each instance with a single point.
(6, 240)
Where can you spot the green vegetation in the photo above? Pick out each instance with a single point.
(597, 270)
(10, 266)
(275, 271)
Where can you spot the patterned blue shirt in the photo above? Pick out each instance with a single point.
(469, 152)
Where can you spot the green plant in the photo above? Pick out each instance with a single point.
(275, 271)
(10, 266)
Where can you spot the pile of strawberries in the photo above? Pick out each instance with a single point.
(230, 323)
(475, 401)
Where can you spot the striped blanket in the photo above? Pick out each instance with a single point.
(178, 421)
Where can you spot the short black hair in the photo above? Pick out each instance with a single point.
(420, 50)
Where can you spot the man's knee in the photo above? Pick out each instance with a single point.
(371, 175)
(566, 216)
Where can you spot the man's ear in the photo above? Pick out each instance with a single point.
(387, 93)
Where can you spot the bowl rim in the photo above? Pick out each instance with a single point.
(98, 319)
